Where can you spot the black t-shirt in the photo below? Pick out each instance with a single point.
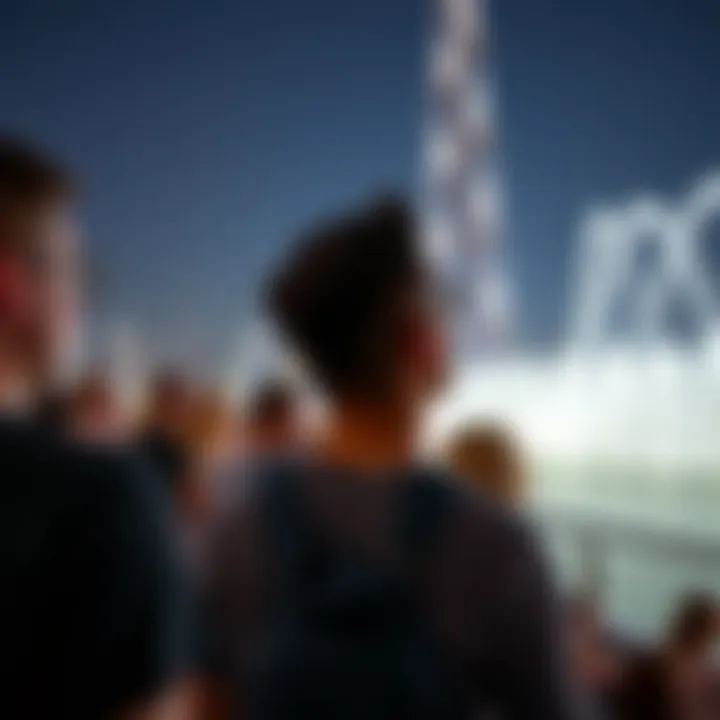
(94, 613)
(487, 595)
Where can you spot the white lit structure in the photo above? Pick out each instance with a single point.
(640, 401)
(621, 423)
(463, 194)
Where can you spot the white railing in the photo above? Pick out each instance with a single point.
(638, 569)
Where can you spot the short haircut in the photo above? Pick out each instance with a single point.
(28, 177)
(338, 296)
(271, 402)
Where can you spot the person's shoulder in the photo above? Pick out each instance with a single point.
(482, 529)
(479, 511)
(50, 459)
(116, 480)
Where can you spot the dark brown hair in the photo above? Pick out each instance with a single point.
(28, 177)
(337, 298)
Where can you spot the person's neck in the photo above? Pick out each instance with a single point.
(369, 437)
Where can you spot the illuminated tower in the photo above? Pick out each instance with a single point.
(463, 195)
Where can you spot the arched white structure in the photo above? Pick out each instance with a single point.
(639, 401)
(608, 242)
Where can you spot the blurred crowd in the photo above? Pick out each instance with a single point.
(355, 301)
(196, 440)
(200, 444)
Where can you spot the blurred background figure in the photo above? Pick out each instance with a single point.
(681, 681)
(95, 413)
(210, 456)
(408, 614)
(162, 440)
(593, 658)
(488, 457)
(209, 451)
(93, 609)
(272, 422)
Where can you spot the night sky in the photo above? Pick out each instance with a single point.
(206, 133)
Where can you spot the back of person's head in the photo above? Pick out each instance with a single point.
(354, 300)
(38, 272)
(170, 402)
(272, 417)
(487, 456)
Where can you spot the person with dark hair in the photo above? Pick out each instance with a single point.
(352, 581)
(680, 682)
(93, 618)
(271, 422)
(595, 659)
(162, 441)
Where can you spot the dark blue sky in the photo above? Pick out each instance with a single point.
(206, 132)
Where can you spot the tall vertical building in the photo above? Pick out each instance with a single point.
(463, 193)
